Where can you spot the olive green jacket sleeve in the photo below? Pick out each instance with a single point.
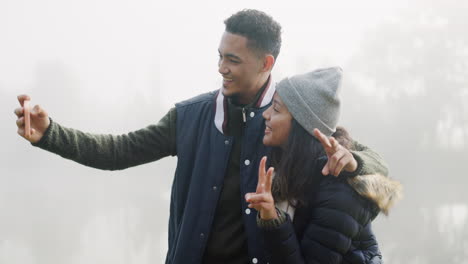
(113, 152)
(369, 162)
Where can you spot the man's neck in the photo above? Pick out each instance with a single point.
(252, 97)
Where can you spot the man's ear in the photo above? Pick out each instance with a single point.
(268, 62)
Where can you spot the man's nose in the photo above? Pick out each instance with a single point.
(222, 68)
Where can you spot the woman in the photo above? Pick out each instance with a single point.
(316, 219)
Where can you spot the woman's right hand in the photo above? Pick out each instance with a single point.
(262, 200)
(39, 121)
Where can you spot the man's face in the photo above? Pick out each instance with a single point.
(240, 67)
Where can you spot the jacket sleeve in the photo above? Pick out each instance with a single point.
(282, 244)
(113, 152)
(328, 236)
(368, 246)
(318, 245)
(369, 161)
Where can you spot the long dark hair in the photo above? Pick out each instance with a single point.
(298, 165)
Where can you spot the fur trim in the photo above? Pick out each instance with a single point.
(384, 191)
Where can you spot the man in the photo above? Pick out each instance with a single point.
(217, 138)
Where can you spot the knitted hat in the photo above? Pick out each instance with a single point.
(312, 99)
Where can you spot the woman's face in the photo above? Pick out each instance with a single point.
(277, 122)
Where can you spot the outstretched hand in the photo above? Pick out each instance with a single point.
(39, 120)
(339, 157)
(262, 200)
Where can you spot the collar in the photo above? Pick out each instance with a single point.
(221, 112)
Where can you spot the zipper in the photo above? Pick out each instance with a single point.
(243, 115)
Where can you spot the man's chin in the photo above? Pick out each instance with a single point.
(229, 94)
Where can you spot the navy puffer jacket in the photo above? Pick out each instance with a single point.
(335, 226)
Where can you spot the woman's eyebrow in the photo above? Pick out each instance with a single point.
(277, 102)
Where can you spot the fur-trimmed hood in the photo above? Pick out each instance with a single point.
(382, 190)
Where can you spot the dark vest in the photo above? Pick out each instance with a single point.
(203, 155)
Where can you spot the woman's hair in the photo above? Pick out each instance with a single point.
(297, 165)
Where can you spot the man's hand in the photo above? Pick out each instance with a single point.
(39, 121)
(339, 158)
(262, 200)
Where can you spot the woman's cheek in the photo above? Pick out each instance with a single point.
(267, 140)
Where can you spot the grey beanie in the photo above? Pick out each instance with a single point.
(312, 98)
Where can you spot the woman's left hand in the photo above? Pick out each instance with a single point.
(262, 200)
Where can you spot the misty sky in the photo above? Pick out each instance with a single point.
(106, 66)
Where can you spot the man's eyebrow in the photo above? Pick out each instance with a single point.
(230, 55)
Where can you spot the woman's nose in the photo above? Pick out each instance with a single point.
(266, 114)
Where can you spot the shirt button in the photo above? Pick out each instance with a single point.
(254, 260)
(202, 235)
(252, 114)
(247, 162)
(226, 142)
(247, 211)
(215, 188)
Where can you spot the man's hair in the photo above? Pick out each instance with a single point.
(262, 32)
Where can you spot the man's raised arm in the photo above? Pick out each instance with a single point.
(107, 152)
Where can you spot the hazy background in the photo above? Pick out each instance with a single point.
(107, 66)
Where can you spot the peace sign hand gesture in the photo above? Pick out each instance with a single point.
(339, 157)
(262, 200)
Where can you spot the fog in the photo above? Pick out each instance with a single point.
(111, 67)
